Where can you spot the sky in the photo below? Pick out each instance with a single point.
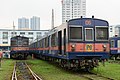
(11, 10)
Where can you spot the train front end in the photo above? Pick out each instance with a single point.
(19, 47)
(87, 42)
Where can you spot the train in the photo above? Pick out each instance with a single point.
(115, 47)
(19, 47)
(77, 44)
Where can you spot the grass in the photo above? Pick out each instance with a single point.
(51, 72)
(6, 69)
(109, 70)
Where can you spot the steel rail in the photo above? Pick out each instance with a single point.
(14, 77)
(34, 75)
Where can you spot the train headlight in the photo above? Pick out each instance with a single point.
(104, 47)
(73, 47)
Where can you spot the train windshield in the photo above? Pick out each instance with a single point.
(13, 42)
(75, 33)
(101, 33)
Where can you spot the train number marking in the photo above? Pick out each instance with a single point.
(89, 47)
(88, 22)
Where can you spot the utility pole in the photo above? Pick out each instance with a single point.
(13, 29)
(52, 18)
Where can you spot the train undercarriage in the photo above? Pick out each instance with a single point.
(73, 64)
(19, 55)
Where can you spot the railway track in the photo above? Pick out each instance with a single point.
(114, 61)
(23, 72)
(93, 76)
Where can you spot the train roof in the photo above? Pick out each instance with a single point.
(19, 36)
(88, 21)
(118, 37)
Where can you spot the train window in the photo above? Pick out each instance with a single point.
(76, 33)
(46, 42)
(13, 42)
(101, 33)
(53, 40)
(19, 43)
(112, 43)
(41, 44)
(25, 42)
(89, 34)
(118, 43)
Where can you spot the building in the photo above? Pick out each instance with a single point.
(114, 30)
(5, 36)
(23, 23)
(117, 30)
(111, 31)
(35, 23)
(73, 9)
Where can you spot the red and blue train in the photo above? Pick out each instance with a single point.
(115, 47)
(19, 47)
(78, 43)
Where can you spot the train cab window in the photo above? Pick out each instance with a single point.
(75, 33)
(112, 43)
(25, 42)
(101, 33)
(19, 43)
(118, 43)
(89, 34)
(13, 42)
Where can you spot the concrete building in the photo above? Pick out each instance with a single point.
(114, 30)
(35, 23)
(117, 30)
(5, 36)
(73, 9)
(111, 31)
(23, 23)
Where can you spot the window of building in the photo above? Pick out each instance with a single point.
(39, 33)
(5, 42)
(22, 33)
(13, 32)
(5, 35)
(30, 33)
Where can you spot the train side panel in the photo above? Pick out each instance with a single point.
(76, 43)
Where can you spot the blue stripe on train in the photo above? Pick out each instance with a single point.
(73, 55)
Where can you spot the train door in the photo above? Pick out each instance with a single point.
(49, 44)
(60, 42)
(89, 39)
(64, 41)
(118, 44)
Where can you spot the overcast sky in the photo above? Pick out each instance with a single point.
(11, 10)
